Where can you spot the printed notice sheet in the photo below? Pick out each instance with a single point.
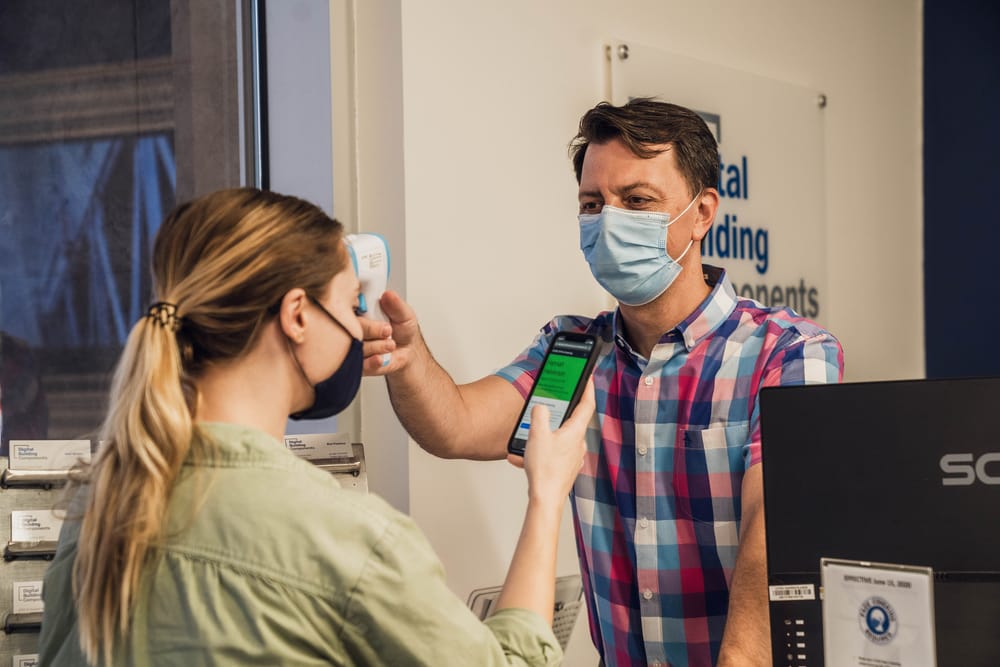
(877, 615)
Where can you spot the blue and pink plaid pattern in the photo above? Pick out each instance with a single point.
(657, 503)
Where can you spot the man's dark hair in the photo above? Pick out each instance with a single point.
(644, 123)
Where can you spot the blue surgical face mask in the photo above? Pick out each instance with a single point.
(627, 252)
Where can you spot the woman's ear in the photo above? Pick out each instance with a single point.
(706, 206)
(291, 314)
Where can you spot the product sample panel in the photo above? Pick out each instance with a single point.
(28, 534)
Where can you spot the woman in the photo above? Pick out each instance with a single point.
(201, 540)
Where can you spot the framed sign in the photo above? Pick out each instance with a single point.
(769, 233)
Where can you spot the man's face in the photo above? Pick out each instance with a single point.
(613, 176)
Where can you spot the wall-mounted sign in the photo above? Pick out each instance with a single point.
(769, 232)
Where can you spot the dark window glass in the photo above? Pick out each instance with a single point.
(110, 112)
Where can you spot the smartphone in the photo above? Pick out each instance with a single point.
(559, 385)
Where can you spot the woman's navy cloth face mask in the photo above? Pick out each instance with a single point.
(335, 393)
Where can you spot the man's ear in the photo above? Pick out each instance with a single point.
(292, 314)
(704, 213)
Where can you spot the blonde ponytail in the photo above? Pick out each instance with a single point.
(146, 437)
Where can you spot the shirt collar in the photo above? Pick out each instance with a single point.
(705, 319)
(240, 443)
(713, 311)
(618, 328)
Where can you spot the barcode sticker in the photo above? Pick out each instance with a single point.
(792, 592)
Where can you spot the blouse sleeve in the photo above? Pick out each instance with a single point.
(401, 612)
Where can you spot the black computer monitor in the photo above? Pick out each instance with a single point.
(901, 472)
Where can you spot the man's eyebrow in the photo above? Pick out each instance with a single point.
(623, 190)
(639, 185)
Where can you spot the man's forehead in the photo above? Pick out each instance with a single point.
(619, 150)
(616, 161)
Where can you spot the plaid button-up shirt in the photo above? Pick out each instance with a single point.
(657, 502)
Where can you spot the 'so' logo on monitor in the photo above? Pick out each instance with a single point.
(877, 619)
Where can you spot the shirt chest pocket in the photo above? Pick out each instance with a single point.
(708, 472)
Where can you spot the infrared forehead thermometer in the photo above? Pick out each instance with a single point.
(370, 257)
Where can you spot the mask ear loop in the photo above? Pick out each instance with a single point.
(686, 209)
(334, 319)
(298, 364)
(690, 243)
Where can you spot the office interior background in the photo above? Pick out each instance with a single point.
(443, 125)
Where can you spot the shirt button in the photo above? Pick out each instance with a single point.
(647, 594)
(648, 380)
(643, 522)
(642, 451)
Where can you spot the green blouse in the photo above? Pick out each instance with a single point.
(267, 561)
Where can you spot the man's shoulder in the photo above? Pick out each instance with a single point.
(771, 320)
(601, 324)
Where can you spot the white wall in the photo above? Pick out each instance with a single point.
(491, 94)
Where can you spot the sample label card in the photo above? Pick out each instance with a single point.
(48, 454)
(315, 446)
(26, 660)
(34, 526)
(877, 614)
(27, 597)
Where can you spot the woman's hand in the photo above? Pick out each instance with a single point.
(552, 459)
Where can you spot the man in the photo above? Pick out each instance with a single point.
(668, 505)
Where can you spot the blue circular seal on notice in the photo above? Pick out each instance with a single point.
(877, 619)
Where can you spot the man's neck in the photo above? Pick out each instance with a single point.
(646, 324)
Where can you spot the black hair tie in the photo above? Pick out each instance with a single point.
(164, 314)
